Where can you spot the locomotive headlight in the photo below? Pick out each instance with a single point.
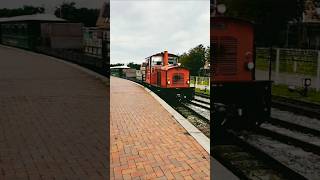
(221, 8)
(188, 82)
(168, 82)
(250, 65)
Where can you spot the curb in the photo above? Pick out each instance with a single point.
(203, 140)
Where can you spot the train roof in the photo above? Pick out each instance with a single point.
(34, 17)
(160, 54)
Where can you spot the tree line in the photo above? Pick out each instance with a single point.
(194, 60)
(67, 10)
(270, 17)
(25, 10)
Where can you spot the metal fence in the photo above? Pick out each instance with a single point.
(202, 83)
(289, 66)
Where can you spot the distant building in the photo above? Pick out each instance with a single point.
(25, 31)
(311, 12)
(62, 35)
(205, 70)
(305, 34)
(96, 40)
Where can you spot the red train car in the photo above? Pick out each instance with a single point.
(163, 73)
(233, 76)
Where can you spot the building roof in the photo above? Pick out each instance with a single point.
(120, 67)
(34, 17)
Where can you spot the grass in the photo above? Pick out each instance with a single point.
(282, 90)
(262, 64)
(207, 92)
(304, 65)
(205, 83)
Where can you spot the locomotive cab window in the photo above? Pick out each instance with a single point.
(156, 60)
(173, 60)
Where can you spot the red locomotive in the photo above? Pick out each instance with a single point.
(163, 73)
(247, 100)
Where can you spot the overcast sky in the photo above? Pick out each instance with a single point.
(142, 28)
(50, 4)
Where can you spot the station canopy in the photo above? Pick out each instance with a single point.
(120, 67)
(34, 17)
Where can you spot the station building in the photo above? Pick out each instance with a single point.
(24, 31)
(31, 31)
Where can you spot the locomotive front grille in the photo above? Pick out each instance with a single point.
(225, 55)
(178, 78)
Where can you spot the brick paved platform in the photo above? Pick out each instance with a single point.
(146, 142)
(52, 120)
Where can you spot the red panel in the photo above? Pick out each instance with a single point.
(233, 49)
(178, 77)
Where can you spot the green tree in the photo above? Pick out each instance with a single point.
(194, 59)
(134, 66)
(270, 16)
(117, 64)
(25, 10)
(68, 11)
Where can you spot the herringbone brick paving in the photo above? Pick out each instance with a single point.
(146, 142)
(53, 120)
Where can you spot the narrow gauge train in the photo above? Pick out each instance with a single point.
(245, 101)
(163, 74)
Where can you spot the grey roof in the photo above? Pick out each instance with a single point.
(120, 67)
(34, 17)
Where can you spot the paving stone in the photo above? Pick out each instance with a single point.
(53, 122)
(143, 131)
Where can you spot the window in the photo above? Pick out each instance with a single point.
(156, 60)
(173, 60)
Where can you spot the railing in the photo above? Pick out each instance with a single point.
(289, 66)
(202, 83)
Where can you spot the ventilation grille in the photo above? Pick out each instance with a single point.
(178, 78)
(225, 55)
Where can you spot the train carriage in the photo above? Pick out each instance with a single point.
(164, 74)
(247, 100)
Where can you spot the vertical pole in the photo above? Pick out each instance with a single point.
(294, 66)
(270, 62)
(195, 85)
(277, 64)
(318, 73)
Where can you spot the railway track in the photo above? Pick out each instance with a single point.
(201, 102)
(299, 107)
(278, 149)
(194, 114)
(287, 148)
(247, 160)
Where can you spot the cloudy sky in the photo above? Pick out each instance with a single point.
(144, 27)
(50, 4)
